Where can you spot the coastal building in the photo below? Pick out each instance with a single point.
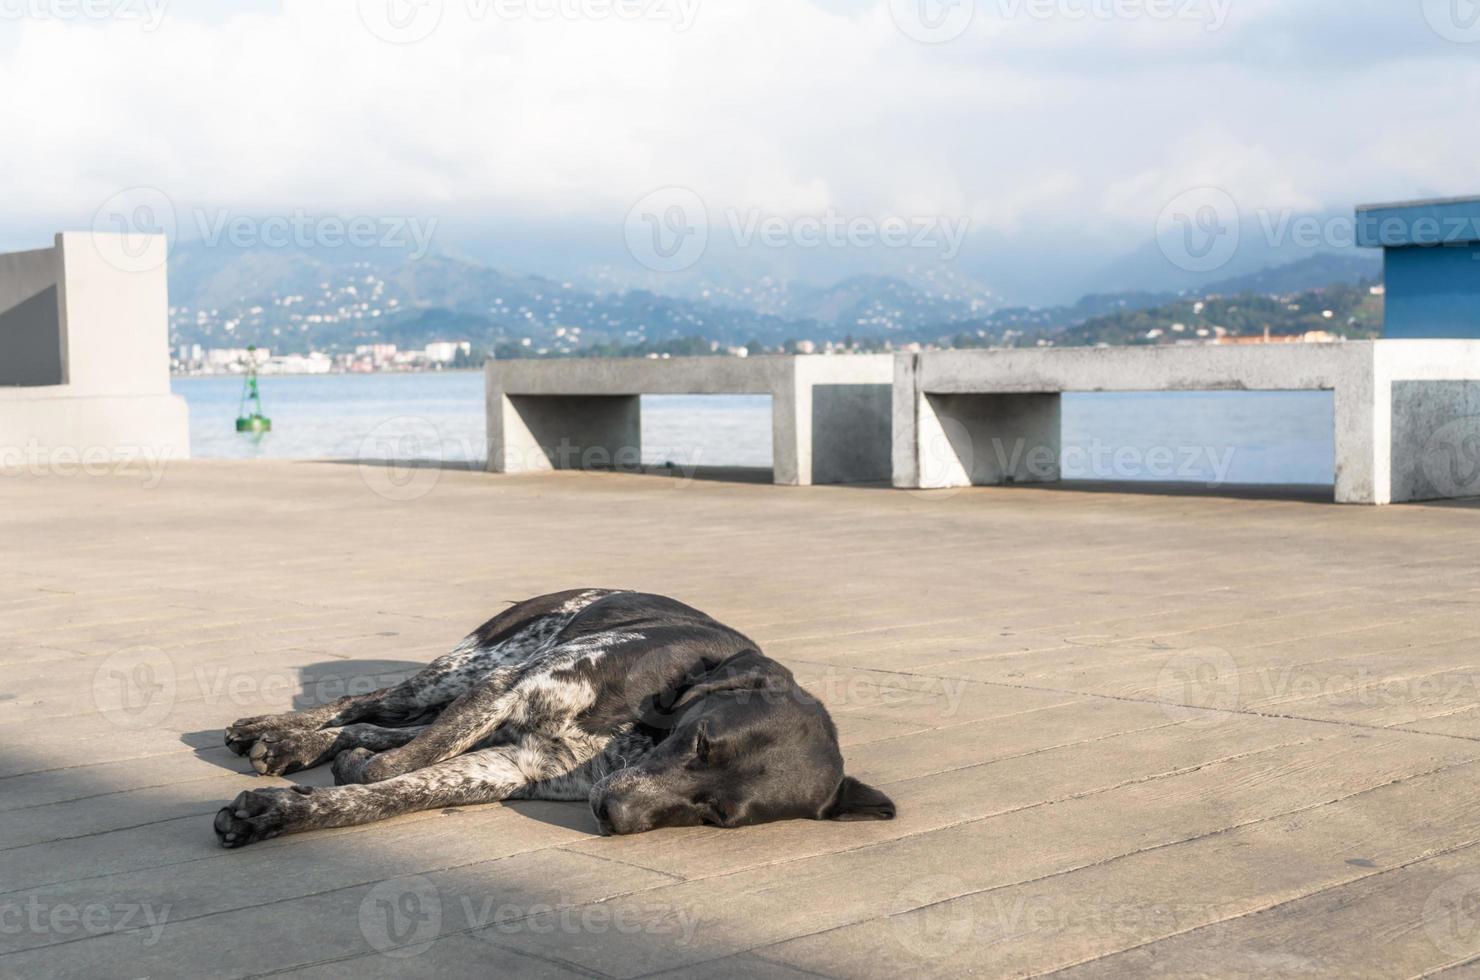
(1431, 262)
(446, 351)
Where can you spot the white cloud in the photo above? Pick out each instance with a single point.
(790, 107)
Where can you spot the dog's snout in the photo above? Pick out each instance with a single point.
(607, 813)
(615, 815)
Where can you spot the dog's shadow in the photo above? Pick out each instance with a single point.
(320, 683)
(317, 683)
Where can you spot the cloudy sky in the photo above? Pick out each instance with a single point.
(1057, 133)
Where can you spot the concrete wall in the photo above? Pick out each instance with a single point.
(850, 433)
(107, 391)
(1432, 292)
(32, 346)
(1431, 260)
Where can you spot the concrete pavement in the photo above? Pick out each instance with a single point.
(1127, 734)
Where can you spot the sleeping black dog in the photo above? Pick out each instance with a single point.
(654, 712)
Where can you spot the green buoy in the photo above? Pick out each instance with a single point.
(253, 421)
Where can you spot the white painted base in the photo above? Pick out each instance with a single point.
(57, 432)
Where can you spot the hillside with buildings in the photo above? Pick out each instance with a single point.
(437, 313)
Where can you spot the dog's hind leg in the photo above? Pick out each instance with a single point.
(463, 725)
(485, 776)
(423, 693)
(244, 733)
(508, 639)
(289, 750)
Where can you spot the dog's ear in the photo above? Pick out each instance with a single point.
(856, 801)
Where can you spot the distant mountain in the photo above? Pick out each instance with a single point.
(1314, 272)
(1353, 311)
(334, 300)
(884, 303)
(1112, 317)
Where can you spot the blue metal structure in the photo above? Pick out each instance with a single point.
(1431, 260)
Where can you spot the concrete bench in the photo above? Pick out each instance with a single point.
(830, 413)
(1407, 411)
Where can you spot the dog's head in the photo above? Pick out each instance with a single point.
(746, 745)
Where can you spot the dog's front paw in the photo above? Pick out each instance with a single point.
(260, 814)
(351, 766)
(246, 732)
(277, 753)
